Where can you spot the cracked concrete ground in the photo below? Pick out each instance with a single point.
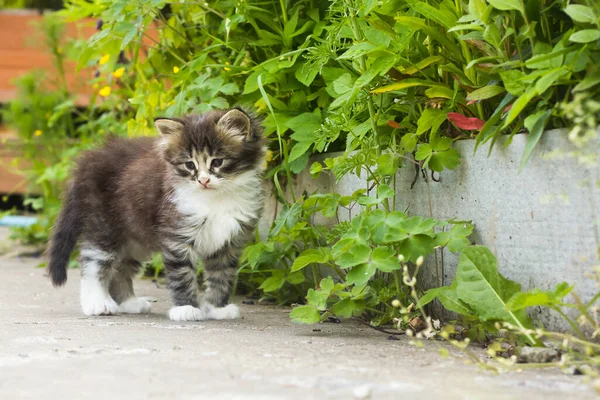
(49, 350)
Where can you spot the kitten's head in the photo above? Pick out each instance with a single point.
(215, 150)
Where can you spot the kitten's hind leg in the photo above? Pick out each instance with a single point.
(96, 273)
(121, 288)
(183, 285)
(219, 273)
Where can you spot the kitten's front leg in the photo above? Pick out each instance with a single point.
(183, 285)
(219, 274)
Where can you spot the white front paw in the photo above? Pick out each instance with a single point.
(135, 306)
(230, 311)
(186, 313)
(99, 306)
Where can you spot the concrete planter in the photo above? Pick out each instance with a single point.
(542, 224)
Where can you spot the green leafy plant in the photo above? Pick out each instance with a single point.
(391, 84)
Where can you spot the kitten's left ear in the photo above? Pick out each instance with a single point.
(168, 126)
(236, 123)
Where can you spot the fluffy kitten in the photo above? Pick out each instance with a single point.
(194, 193)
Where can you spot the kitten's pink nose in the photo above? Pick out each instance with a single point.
(204, 181)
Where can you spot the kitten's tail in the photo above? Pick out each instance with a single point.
(64, 238)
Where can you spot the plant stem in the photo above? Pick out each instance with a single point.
(283, 11)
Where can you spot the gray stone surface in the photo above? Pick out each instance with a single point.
(48, 350)
(543, 224)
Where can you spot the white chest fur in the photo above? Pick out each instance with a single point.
(213, 217)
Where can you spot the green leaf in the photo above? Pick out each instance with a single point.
(311, 256)
(485, 93)
(424, 63)
(549, 79)
(506, 5)
(348, 307)
(305, 315)
(305, 126)
(590, 80)
(361, 274)
(579, 13)
(479, 284)
(513, 82)
(447, 20)
(535, 124)
(272, 283)
(519, 105)
(585, 36)
(449, 299)
(299, 150)
(385, 260)
(409, 142)
(357, 50)
(315, 169)
(295, 278)
(357, 254)
(405, 84)
(466, 27)
(430, 119)
(423, 152)
(386, 164)
(536, 298)
(384, 191)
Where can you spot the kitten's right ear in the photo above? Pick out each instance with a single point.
(167, 126)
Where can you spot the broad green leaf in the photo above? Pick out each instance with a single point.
(513, 82)
(535, 124)
(348, 307)
(295, 278)
(307, 72)
(449, 299)
(386, 164)
(439, 92)
(485, 93)
(506, 5)
(361, 274)
(423, 152)
(318, 298)
(479, 284)
(305, 126)
(357, 254)
(385, 260)
(580, 13)
(384, 191)
(537, 297)
(315, 169)
(585, 36)
(305, 315)
(431, 118)
(448, 159)
(409, 142)
(272, 283)
(311, 256)
(299, 150)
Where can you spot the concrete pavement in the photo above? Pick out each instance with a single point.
(48, 350)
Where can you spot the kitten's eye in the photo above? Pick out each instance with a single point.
(190, 165)
(216, 162)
